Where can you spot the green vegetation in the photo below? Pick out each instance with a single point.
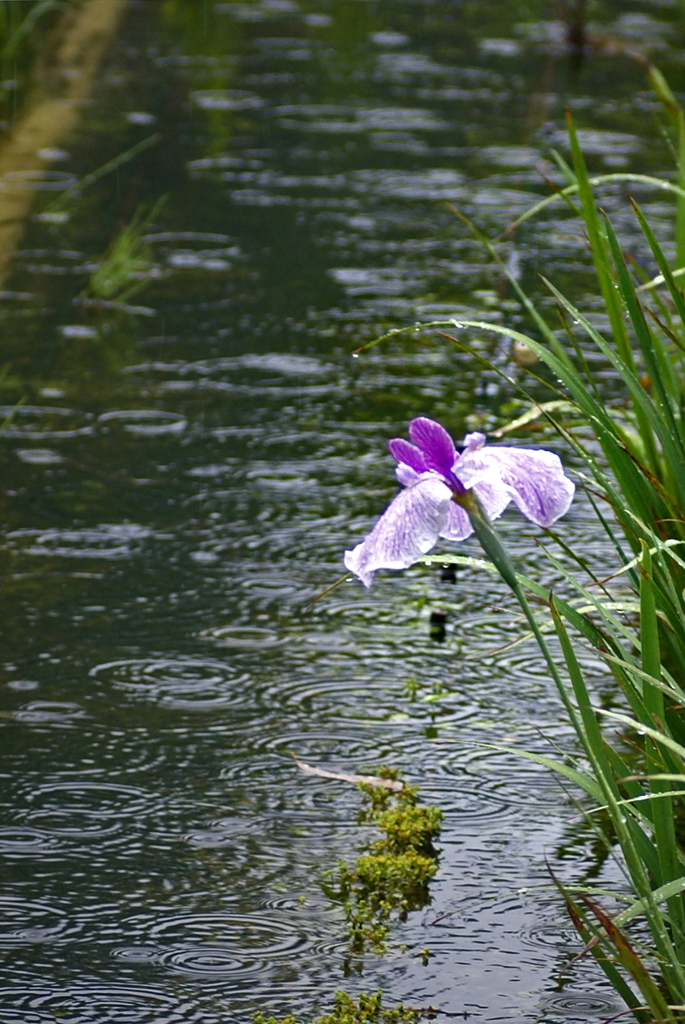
(126, 266)
(23, 27)
(641, 483)
(637, 487)
(368, 1009)
(17, 21)
(391, 877)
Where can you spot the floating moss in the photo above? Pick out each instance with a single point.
(367, 1010)
(390, 878)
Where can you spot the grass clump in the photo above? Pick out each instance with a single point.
(390, 878)
(126, 267)
(368, 1009)
(633, 467)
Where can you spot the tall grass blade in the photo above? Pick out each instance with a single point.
(597, 245)
(662, 807)
(592, 938)
(659, 367)
(675, 112)
(632, 963)
(28, 23)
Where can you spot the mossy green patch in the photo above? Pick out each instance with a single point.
(368, 1009)
(390, 878)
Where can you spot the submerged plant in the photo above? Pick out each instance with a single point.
(391, 877)
(368, 1009)
(126, 267)
(59, 210)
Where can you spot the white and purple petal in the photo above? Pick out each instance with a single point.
(408, 528)
(406, 475)
(535, 480)
(474, 440)
(493, 495)
(433, 475)
(457, 525)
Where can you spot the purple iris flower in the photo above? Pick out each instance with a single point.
(434, 476)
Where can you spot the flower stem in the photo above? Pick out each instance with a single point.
(499, 556)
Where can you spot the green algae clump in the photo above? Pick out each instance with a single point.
(368, 1010)
(390, 878)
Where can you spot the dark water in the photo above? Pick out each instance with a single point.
(180, 482)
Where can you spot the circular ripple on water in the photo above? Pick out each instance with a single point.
(42, 421)
(84, 809)
(201, 237)
(334, 675)
(246, 638)
(226, 99)
(234, 947)
(46, 180)
(110, 540)
(49, 711)
(27, 922)
(144, 422)
(551, 935)
(285, 904)
(137, 954)
(38, 456)
(26, 842)
(92, 1002)
(520, 779)
(186, 684)
(473, 802)
(467, 794)
(579, 1006)
(345, 694)
(225, 831)
(207, 961)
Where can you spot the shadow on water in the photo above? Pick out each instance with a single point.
(179, 482)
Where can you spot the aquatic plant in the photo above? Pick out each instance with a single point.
(637, 487)
(126, 267)
(368, 1009)
(58, 211)
(390, 878)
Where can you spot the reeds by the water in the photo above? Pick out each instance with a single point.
(637, 486)
(641, 480)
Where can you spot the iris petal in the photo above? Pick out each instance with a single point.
(433, 475)
(535, 479)
(408, 454)
(457, 525)
(408, 528)
(406, 475)
(435, 443)
(494, 496)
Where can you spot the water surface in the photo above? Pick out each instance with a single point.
(180, 481)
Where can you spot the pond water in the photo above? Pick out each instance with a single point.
(180, 481)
